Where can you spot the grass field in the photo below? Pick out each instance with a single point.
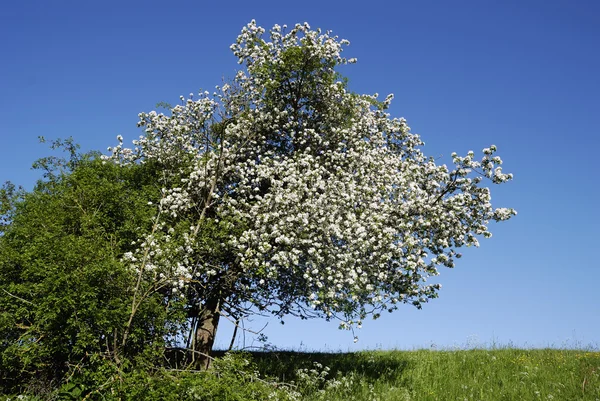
(500, 374)
(423, 375)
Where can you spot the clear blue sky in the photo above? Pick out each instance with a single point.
(524, 75)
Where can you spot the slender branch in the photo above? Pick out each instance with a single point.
(193, 351)
(76, 368)
(237, 321)
(450, 187)
(109, 381)
(19, 298)
(235, 330)
(213, 184)
(135, 305)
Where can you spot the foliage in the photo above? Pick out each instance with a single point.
(65, 293)
(233, 377)
(325, 205)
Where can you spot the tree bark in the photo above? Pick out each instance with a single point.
(206, 330)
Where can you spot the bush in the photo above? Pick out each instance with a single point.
(65, 293)
(233, 377)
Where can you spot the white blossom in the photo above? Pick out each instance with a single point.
(324, 199)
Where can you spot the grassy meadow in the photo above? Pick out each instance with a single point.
(423, 375)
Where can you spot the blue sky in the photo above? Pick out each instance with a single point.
(523, 75)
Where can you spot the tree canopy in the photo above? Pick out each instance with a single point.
(285, 192)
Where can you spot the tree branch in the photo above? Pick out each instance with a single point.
(19, 298)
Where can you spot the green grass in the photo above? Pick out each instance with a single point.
(500, 374)
(423, 375)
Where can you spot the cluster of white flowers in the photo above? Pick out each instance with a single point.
(327, 200)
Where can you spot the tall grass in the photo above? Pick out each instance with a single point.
(500, 374)
(423, 375)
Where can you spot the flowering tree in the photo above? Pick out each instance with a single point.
(284, 192)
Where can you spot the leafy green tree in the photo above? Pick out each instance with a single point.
(66, 296)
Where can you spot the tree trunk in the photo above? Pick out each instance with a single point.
(206, 330)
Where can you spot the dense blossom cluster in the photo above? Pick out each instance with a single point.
(320, 197)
